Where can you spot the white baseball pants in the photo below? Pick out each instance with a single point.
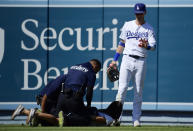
(132, 69)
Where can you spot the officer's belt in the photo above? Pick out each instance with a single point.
(73, 88)
(71, 92)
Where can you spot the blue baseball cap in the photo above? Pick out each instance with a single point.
(139, 8)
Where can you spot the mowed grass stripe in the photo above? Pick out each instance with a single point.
(121, 128)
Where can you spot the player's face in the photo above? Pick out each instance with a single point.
(96, 68)
(140, 17)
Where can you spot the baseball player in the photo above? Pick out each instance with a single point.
(137, 37)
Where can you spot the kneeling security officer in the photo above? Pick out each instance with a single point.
(79, 81)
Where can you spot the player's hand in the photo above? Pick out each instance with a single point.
(113, 64)
(143, 43)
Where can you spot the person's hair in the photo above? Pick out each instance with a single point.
(97, 63)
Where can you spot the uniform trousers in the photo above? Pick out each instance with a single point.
(72, 105)
(132, 69)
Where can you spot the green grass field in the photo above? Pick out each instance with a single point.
(121, 128)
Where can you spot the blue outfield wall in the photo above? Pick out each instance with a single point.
(39, 40)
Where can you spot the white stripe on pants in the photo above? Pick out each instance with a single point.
(132, 69)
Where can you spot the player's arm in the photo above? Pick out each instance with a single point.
(89, 95)
(43, 103)
(119, 51)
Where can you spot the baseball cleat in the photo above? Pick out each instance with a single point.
(109, 120)
(136, 123)
(116, 123)
(17, 111)
(30, 116)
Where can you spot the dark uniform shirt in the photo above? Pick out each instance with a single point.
(53, 88)
(80, 76)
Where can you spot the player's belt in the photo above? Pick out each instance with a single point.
(136, 56)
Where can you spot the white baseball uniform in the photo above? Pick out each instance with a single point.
(133, 68)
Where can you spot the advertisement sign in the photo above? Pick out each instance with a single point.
(40, 42)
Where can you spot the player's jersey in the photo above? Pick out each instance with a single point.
(81, 75)
(132, 33)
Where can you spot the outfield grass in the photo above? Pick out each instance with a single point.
(121, 128)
